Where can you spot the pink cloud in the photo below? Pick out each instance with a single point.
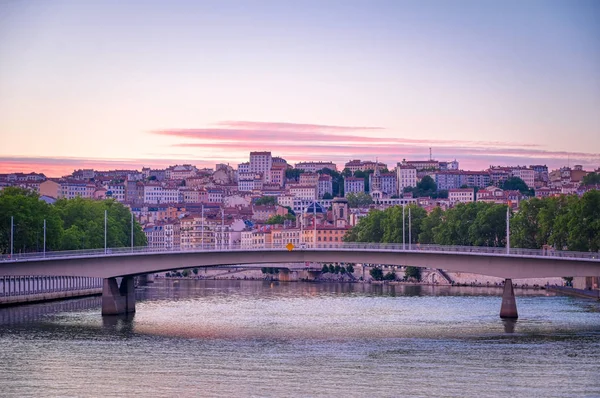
(260, 136)
(286, 126)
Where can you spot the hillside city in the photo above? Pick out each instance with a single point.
(258, 203)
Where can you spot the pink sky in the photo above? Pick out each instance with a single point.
(305, 142)
(110, 84)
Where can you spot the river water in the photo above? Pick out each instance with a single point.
(254, 338)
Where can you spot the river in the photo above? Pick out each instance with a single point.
(253, 338)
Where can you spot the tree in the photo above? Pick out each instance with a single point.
(584, 222)
(83, 222)
(325, 269)
(293, 174)
(276, 219)
(390, 276)
(376, 273)
(489, 226)
(331, 269)
(350, 268)
(327, 195)
(195, 271)
(29, 213)
(337, 269)
(515, 184)
(368, 229)
(428, 224)
(591, 179)
(266, 200)
(359, 199)
(425, 187)
(413, 272)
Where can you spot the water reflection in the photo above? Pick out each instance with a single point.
(509, 325)
(122, 323)
(269, 339)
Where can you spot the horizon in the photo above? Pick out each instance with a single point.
(200, 82)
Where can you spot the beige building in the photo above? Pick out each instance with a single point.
(51, 188)
(461, 195)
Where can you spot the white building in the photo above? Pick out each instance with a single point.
(313, 167)
(461, 195)
(407, 177)
(353, 185)
(303, 191)
(261, 162)
(325, 185)
(525, 174)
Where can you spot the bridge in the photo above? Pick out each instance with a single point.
(125, 263)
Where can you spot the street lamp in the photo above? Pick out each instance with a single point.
(507, 230)
(409, 231)
(12, 227)
(44, 237)
(105, 216)
(403, 228)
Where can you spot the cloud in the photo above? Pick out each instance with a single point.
(56, 167)
(262, 136)
(285, 126)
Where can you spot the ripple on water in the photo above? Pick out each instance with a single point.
(248, 338)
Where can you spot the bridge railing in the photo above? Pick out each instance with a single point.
(396, 247)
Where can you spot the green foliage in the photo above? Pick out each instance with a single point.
(386, 226)
(428, 224)
(564, 222)
(325, 269)
(337, 269)
(195, 271)
(293, 174)
(515, 184)
(185, 273)
(70, 224)
(28, 213)
(83, 223)
(413, 272)
(331, 269)
(350, 268)
(426, 187)
(266, 200)
(279, 219)
(359, 199)
(390, 276)
(591, 179)
(376, 273)
(327, 195)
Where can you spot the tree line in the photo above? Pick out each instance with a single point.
(71, 224)
(563, 222)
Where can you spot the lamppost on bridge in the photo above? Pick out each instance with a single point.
(409, 231)
(222, 227)
(12, 227)
(105, 217)
(403, 228)
(315, 221)
(44, 237)
(132, 232)
(507, 229)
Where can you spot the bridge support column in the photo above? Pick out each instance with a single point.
(118, 299)
(509, 304)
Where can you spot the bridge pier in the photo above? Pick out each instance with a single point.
(508, 310)
(118, 299)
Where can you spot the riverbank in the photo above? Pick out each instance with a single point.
(7, 301)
